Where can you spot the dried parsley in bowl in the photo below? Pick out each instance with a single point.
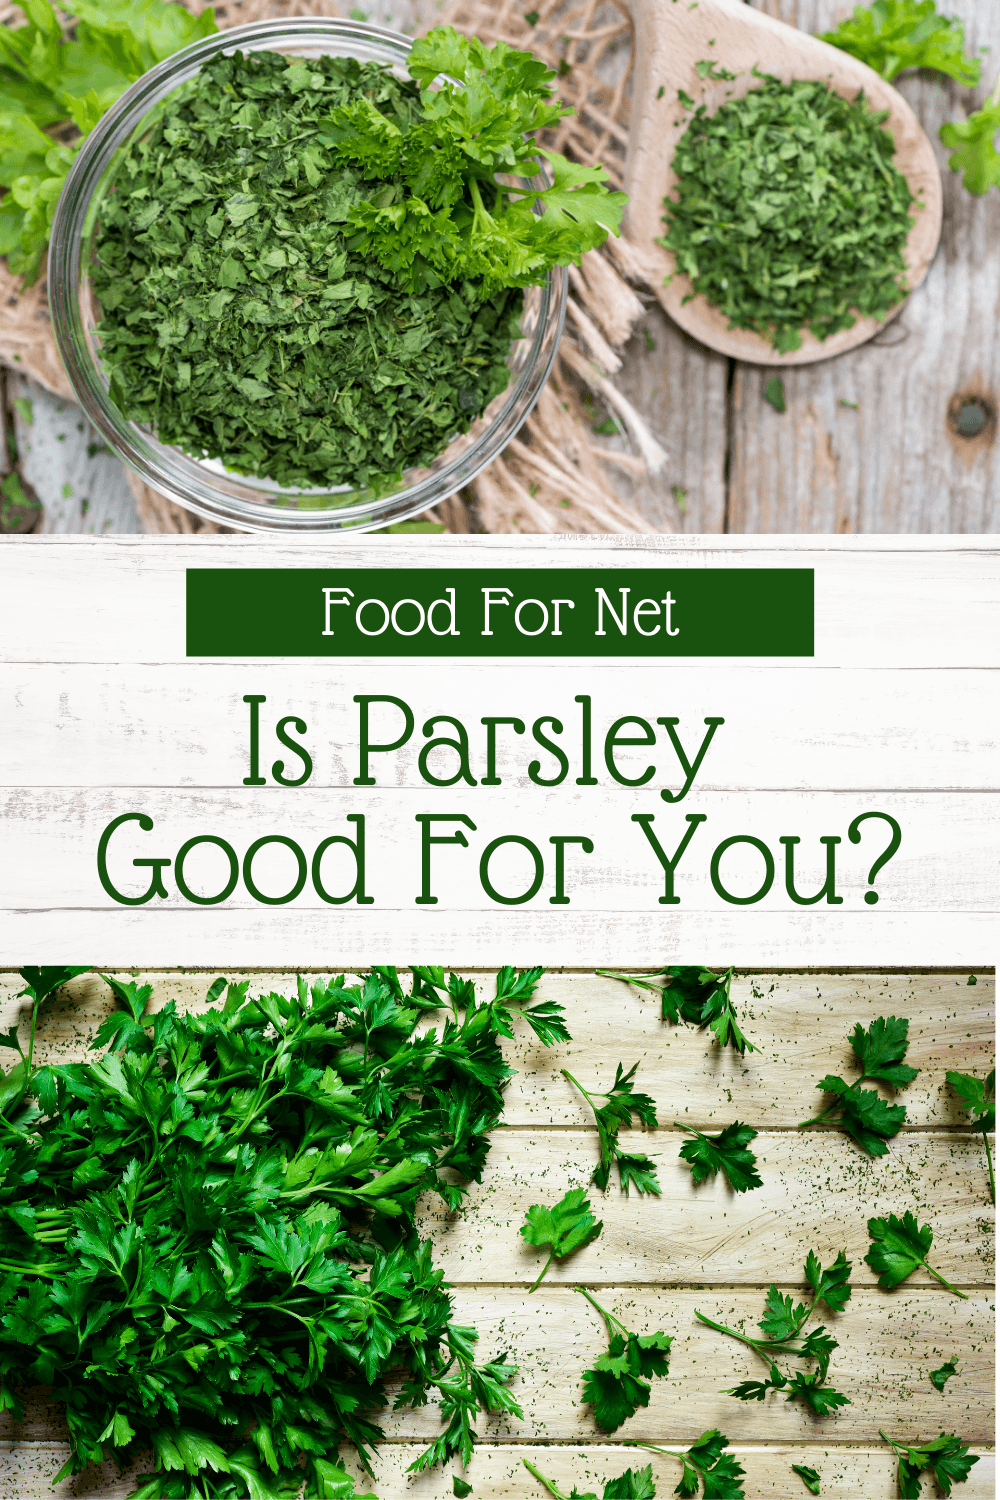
(789, 211)
(307, 270)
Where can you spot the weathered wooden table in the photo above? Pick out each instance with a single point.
(869, 442)
(659, 1258)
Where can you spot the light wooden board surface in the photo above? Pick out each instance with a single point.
(658, 1260)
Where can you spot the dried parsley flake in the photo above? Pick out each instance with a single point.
(307, 270)
(789, 211)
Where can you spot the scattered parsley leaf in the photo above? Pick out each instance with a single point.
(705, 1463)
(459, 1488)
(972, 143)
(566, 1227)
(947, 1458)
(807, 238)
(774, 393)
(680, 498)
(25, 409)
(685, 99)
(939, 1378)
(899, 1246)
(696, 995)
(863, 1113)
(893, 35)
(978, 1098)
(726, 1152)
(711, 70)
(809, 1477)
(607, 428)
(622, 1104)
(619, 1382)
(782, 1325)
(531, 16)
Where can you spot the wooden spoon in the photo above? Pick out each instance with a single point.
(671, 37)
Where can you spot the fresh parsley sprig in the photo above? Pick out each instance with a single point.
(947, 1457)
(696, 995)
(863, 1113)
(39, 984)
(632, 1485)
(972, 143)
(899, 1246)
(939, 1378)
(705, 1464)
(619, 1382)
(782, 1326)
(979, 1098)
(726, 1152)
(565, 1228)
(622, 1104)
(894, 35)
(810, 1477)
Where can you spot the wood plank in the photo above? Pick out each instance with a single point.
(888, 1343)
(801, 1023)
(893, 464)
(498, 1473)
(123, 600)
(81, 724)
(680, 387)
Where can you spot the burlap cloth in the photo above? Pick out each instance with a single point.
(554, 476)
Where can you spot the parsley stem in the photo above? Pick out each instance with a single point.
(943, 1282)
(541, 1273)
(541, 1477)
(986, 1139)
(609, 1318)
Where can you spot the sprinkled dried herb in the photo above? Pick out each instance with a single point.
(789, 211)
(308, 270)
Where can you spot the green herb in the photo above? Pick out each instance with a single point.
(685, 99)
(809, 1477)
(566, 1227)
(283, 219)
(619, 1382)
(863, 1113)
(209, 1247)
(696, 995)
(459, 1488)
(852, 404)
(706, 1464)
(979, 1099)
(46, 81)
(726, 1152)
(898, 1247)
(947, 1458)
(893, 35)
(939, 1378)
(711, 70)
(661, 91)
(789, 212)
(971, 979)
(680, 498)
(25, 409)
(607, 428)
(531, 16)
(621, 1105)
(649, 341)
(39, 984)
(774, 393)
(972, 143)
(782, 1326)
(628, 1486)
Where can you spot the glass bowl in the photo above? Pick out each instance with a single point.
(204, 485)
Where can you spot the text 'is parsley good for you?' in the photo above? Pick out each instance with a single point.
(308, 269)
(208, 1247)
(789, 212)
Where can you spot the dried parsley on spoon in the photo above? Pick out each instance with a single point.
(789, 212)
(308, 270)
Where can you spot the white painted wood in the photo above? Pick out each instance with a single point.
(881, 602)
(799, 1022)
(187, 725)
(81, 485)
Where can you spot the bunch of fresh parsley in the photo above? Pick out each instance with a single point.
(209, 1247)
(309, 269)
(789, 212)
(782, 1326)
(894, 35)
(863, 1113)
(55, 88)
